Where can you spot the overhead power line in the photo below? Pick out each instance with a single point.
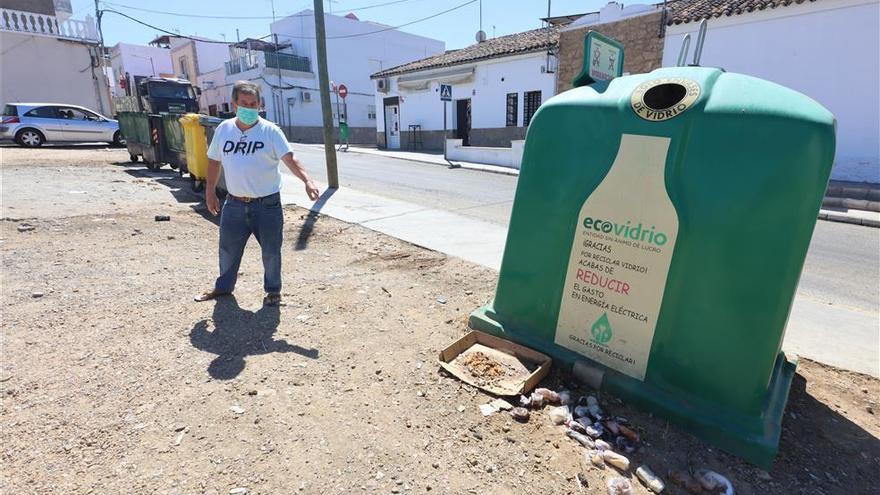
(239, 17)
(389, 28)
(355, 35)
(162, 30)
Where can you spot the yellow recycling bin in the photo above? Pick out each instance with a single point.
(196, 145)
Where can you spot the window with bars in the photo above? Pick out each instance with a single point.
(531, 102)
(371, 112)
(511, 109)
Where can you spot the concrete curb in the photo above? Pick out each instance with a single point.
(851, 204)
(840, 217)
(494, 169)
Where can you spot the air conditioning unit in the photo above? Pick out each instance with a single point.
(306, 96)
(383, 85)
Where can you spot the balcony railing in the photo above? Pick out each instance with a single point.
(241, 64)
(256, 59)
(47, 25)
(287, 61)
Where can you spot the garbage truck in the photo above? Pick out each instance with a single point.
(149, 120)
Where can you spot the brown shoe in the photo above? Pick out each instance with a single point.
(211, 294)
(272, 299)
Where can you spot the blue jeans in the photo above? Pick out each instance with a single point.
(238, 220)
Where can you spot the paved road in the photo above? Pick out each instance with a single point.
(836, 317)
(482, 195)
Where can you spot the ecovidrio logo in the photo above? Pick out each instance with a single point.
(627, 230)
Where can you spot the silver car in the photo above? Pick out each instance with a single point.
(33, 124)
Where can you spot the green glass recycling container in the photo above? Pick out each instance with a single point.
(657, 236)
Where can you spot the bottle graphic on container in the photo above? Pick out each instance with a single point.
(619, 261)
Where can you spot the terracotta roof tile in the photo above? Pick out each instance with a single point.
(684, 11)
(502, 46)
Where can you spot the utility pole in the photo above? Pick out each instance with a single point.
(98, 15)
(324, 86)
(280, 114)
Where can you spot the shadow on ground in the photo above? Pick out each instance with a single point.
(822, 448)
(180, 187)
(305, 232)
(239, 333)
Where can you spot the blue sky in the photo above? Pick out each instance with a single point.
(456, 28)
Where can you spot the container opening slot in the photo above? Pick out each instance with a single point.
(664, 96)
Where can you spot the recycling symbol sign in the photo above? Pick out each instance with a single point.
(601, 330)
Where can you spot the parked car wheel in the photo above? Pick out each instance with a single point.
(118, 140)
(133, 158)
(30, 138)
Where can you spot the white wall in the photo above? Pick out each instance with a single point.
(215, 90)
(299, 113)
(207, 55)
(611, 12)
(504, 157)
(71, 80)
(135, 59)
(828, 50)
(351, 61)
(492, 80)
(211, 56)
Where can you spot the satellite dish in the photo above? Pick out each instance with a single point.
(481, 36)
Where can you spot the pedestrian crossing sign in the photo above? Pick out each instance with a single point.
(445, 92)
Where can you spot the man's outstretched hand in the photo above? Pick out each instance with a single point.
(312, 191)
(212, 202)
(297, 169)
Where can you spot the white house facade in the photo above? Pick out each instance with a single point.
(192, 57)
(216, 97)
(827, 49)
(289, 77)
(130, 61)
(34, 38)
(497, 85)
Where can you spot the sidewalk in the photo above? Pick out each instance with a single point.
(449, 233)
(424, 157)
(483, 243)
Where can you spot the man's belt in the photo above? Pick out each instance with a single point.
(244, 199)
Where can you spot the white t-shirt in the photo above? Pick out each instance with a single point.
(249, 158)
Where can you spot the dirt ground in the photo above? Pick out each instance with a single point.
(115, 382)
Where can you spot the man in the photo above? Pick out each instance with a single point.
(249, 148)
